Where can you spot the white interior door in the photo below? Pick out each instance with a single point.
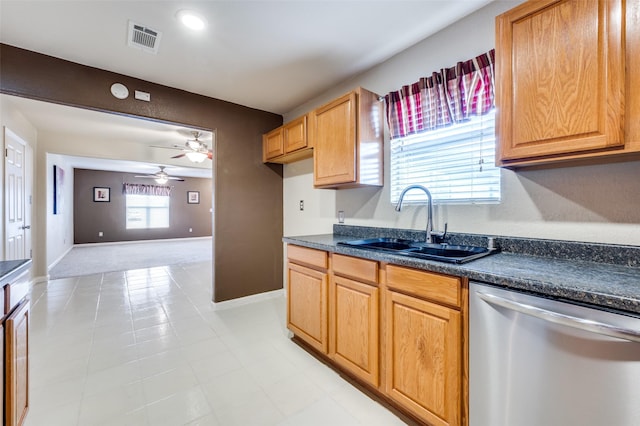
(14, 197)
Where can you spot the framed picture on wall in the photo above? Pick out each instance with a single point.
(193, 197)
(101, 194)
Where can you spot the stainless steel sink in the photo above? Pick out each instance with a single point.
(441, 252)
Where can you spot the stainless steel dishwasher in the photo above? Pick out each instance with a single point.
(535, 361)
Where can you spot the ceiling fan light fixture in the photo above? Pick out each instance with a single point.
(191, 19)
(196, 157)
(162, 180)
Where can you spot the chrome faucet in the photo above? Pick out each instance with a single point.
(430, 234)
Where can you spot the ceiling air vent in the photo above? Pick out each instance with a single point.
(144, 38)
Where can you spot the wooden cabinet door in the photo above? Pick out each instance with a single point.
(423, 358)
(560, 78)
(17, 366)
(334, 139)
(632, 93)
(2, 371)
(272, 144)
(355, 328)
(307, 305)
(295, 134)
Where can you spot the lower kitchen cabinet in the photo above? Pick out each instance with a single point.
(354, 322)
(423, 358)
(17, 365)
(401, 332)
(426, 350)
(2, 369)
(14, 344)
(307, 296)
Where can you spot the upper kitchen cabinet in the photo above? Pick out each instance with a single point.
(347, 136)
(287, 143)
(272, 145)
(560, 72)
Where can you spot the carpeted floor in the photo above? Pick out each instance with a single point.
(93, 259)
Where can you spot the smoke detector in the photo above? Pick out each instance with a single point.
(144, 38)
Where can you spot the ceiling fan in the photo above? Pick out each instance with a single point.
(161, 177)
(194, 149)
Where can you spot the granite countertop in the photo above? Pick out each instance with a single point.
(596, 275)
(10, 267)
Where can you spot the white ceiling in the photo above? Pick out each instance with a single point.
(269, 55)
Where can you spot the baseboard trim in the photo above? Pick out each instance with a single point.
(227, 304)
(40, 279)
(110, 243)
(55, 262)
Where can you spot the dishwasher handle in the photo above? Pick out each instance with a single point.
(563, 319)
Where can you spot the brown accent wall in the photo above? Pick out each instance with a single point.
(90, 218)
(247, 194)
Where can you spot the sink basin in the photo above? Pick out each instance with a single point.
(421, 250)
(381, 243)
(447, 253)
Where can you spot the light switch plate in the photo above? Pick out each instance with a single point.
(142, 96)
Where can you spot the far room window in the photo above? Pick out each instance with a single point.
(147, 211)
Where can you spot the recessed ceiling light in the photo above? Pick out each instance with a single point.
(191, 19)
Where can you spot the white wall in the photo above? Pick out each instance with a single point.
(59, 227)
(599, 203)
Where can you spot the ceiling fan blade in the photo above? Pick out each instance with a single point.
(146, 176)
(179, 155)
(174, 147)
(175, 178)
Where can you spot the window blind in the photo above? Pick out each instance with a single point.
(456, 163)
(147, 211)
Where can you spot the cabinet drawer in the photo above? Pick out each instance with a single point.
(361, 269)
(15, 291)
(308, 256)
(428, 285)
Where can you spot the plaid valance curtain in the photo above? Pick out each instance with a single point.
(141, 189)
(447, 97)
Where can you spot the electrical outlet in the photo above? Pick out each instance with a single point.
(100, 234)
(190, 229)
(301, 205)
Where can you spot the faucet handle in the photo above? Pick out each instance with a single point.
(439, 237)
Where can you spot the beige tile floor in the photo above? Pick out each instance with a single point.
(147, 347)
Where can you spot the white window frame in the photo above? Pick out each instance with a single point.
(456, 163)
(149, 203)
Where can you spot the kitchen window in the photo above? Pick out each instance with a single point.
(442, 131)
(147, 211)
(456, 163)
